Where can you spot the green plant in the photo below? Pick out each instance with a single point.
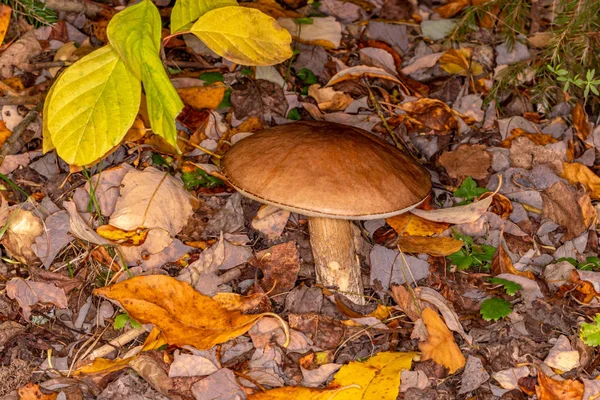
(472, 255)
(92, 105)
(590, 264)
(468, 191)
(510, 287)
(495, 308)
(194, 179)
(34, 11)
(589, 84)
(122, 319)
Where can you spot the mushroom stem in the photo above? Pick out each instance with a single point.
(336, 262)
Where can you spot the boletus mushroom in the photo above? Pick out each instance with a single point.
(332, 174)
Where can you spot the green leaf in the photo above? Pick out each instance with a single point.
(186, 12)
(193, 180)
(590, 333)
(461, 259)
(294, 114)
(509, 286)
(244, 35)
(211, 77)
(495, 308)
(91, 107)
(468, 190)
(120, 321)
(135, 34)
(307, 76)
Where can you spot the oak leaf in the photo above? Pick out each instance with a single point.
(440, 345)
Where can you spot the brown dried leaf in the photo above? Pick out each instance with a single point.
(329, 99)
(539, 139)
(280, 265)
(569, 207)
(28, 293)
(359, 71)
(203, 96)
(431, 114)
(452, 8)
(467, 160)
(502, 264)
(259, 98)
(581, 122)
(459, 61)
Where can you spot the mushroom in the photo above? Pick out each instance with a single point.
(332, 174)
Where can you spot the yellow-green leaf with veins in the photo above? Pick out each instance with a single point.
(187, 11)
(47, 144)
(135, 34)
(244, 35)
(91, 107)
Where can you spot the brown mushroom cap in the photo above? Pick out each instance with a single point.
(324, 169)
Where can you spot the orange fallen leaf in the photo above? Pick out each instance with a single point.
(203, 96)
(540, 139)
(440, 345)
(236, 302)
(459, 62)
(502, 264)
(185, 316)
(5, 12)
(32, 391)
(579, 173)
(408, 224)
(4, 133)
(452, 8)
(435, 246)
(550, 389)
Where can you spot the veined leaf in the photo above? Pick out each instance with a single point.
(47, 144)
(91, 107)
(135, 34)
(244, 35)
(187, 11)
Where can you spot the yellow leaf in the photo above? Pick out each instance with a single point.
(154, 341)
(5, 11)
(123, 237)
(435, 246)
(85, 121)
(408, 224)
(4, 133)
(440, 345)
(579, 173)
(458, 61)
(244, 35)
(378, 378)
(203, 96)
(185, 12)
(185, 316)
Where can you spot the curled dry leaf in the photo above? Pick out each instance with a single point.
(569, 207)
(431, 114)
(456, 215)
(409, 224)
(550, 389)
(539, 139)
(359, 71)
(329, 99)
(435, 246)
(440, 345)
(579, 173)
(581, 122)
(184, 316)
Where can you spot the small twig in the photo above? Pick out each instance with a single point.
(12, 145)
(116, 343)
(21, 100)
(47, 64)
